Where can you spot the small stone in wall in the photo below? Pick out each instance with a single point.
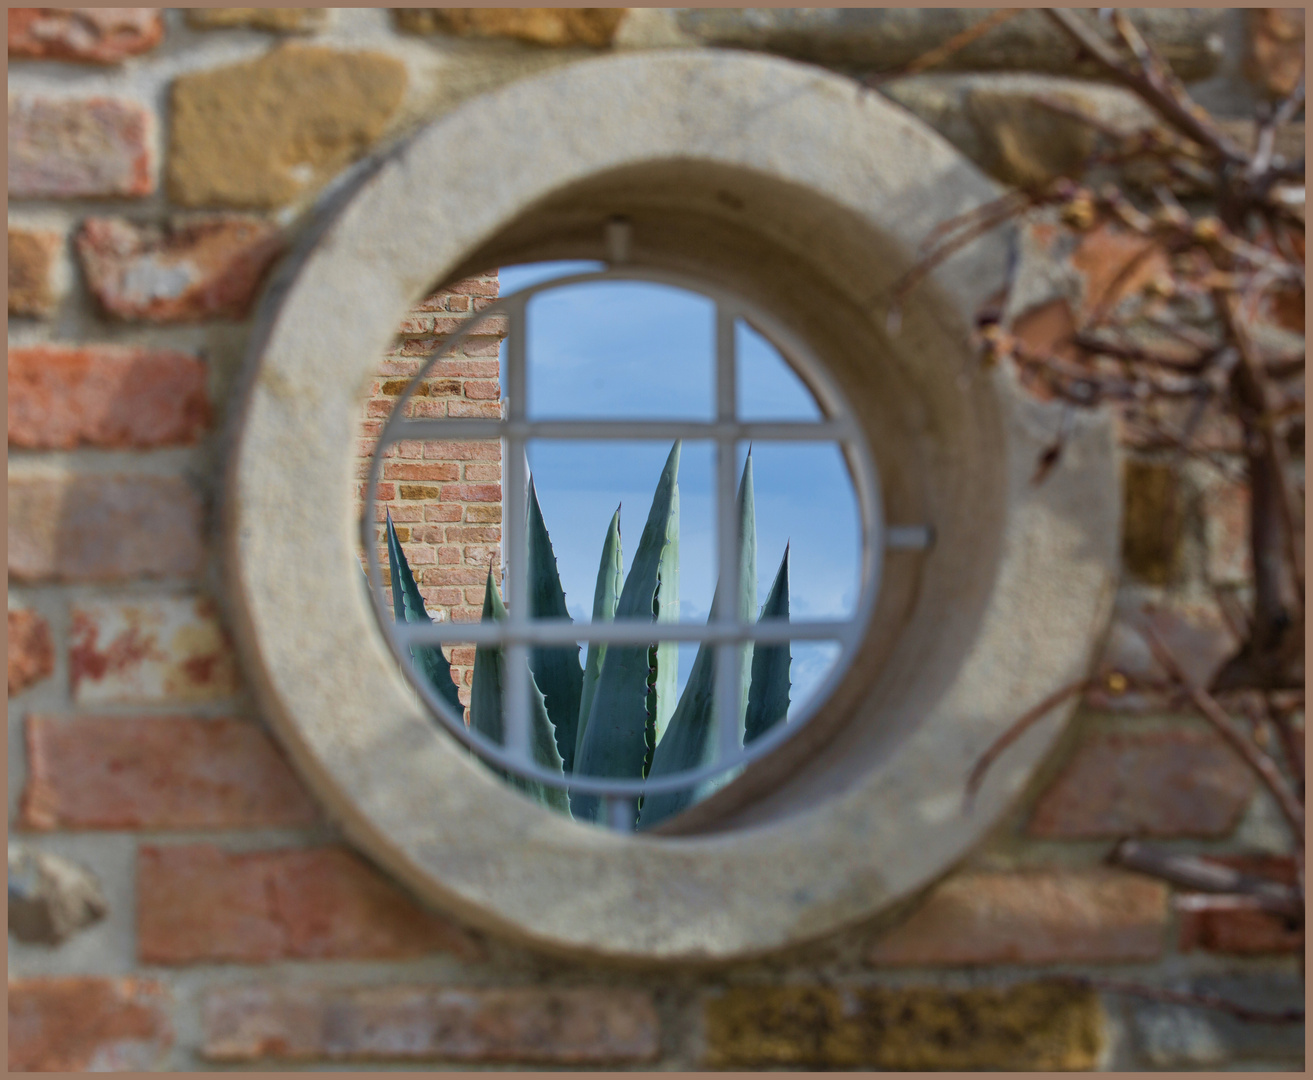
(267, 132)
(183, 272)
(32, 254)
(31, 651)
(90, 35)
(50, 898)
(280, 19)
(593, 27)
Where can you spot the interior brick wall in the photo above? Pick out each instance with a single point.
(212, 915)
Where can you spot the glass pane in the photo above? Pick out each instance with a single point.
(768, 387)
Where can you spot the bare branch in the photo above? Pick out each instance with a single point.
(1015, 732)
(1192, 872)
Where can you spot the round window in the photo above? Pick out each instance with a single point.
(783, 204)
(629, 711)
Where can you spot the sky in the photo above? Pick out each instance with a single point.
(638, 350)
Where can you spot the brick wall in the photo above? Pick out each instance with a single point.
(207, 913)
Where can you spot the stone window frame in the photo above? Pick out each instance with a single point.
(808, 197)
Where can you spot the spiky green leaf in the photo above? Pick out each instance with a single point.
(614, 743)
(487, 716)
(610, 579)
(768, 694)
(665, 676)
(555, 669)
(408, 607)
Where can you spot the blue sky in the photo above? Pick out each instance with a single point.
(631, 349)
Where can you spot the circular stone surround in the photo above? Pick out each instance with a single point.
(806, 195)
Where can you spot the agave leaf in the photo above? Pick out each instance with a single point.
(768, 695)
(408, 607)
(555, 668)
(610, 579)
(487, 718)
(665, 683)
(614, 741)
(688, 741)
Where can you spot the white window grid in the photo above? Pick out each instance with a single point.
(725, 630)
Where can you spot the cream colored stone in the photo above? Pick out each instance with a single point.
(791, 188)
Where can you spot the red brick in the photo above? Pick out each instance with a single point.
(91, 35)
(199, 904)
(462, 451)
(538, 1025)
(455, 577)
(464, 534)
(467, 369)
(1128, 678)
(483, 513)
(447, 597)
(1208, 925)
(1151, 783)
(472, 492)
(1275, 57)
(71, 148)
(479, 410)
(105, 395)
(31, 650)
(84, 1024)
(1031, 917)
(150, 650)
(483, 390)
(1115, 264)
(481, 346)
(157, 772)
(442, 512)
(478, 472)
(419, 556)
(473, 286)
(32, 254)
(449, 556)
(438, 472)
(199, 268)
(103, 528)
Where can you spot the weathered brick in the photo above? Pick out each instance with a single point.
(462, 451)
(157, 649)
(79, 148)
(32, 254)
(483, 513)
(1031, 917)
(481, 472)
(85, 1023)
(1208, 923)
(1225, 512)
(189, 270)
(484, 493)
(105, 395)
(199, 904)
(1037, 1025)
(419, 491)
(1129, 678)
(542, 26)
(482, 390)
(442, 512)
(268, 131)
(280, 19)
(31, 650)
(103, 528)
(531, 1025)
(91, 35)
(1275, 55)
(438, 472)
(1115, 264)
(157, 772)
(1151, 521)
(1150, 783)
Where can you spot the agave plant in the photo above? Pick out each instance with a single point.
(616, 714)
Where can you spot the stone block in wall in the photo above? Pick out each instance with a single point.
(1030, 917)
(888, 39)
(186, 271)
(199, 904)
(1274, 58)
(89, 35)
(1179, 782)
(1035, 1025)
(31, 650)
(270, 131)
(50, 897)
(88, 1023)
(74, 148)
(1153, 519)
(108, 396)
(1183, 1037)
(280, 19)
(32, 254)
(157, 772)
(527, 1025)
(91, 527)
(149, 650)
(594, 27)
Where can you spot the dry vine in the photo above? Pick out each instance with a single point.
(1228, 221)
